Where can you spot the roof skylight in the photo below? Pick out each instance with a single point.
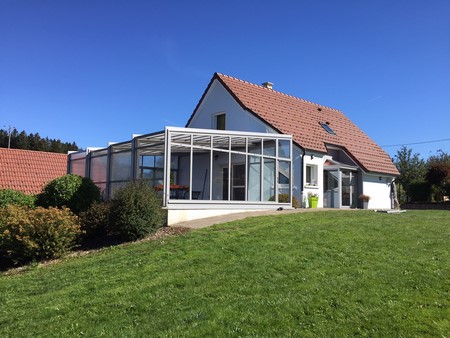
(326, 126)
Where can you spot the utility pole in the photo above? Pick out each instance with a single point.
(9, 135)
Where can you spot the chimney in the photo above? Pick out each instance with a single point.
(267, 85)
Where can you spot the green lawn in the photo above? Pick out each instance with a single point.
(321, 274)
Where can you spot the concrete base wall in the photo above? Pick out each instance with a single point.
(178, 216)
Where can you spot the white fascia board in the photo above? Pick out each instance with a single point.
(228, 132)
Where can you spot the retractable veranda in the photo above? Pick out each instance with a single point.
(191, 167)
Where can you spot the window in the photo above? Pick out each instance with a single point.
(151, 168)
(220, 121)
(311, 175)
(326, 126)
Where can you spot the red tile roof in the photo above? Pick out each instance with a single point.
(301, 119)
(29, 171)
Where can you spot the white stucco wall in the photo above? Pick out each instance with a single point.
(314, 159)
(378, 188)
(218, 100)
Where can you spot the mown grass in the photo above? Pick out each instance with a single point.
(322, 274)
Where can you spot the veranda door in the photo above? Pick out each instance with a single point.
(237, 183)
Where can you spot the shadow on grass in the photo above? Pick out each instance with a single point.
(93, 243)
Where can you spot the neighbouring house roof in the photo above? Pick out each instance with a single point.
(303, 120)
(28, 171)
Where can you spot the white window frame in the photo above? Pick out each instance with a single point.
(311, 178)
(215, 118)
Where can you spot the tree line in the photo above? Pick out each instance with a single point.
(420, 180)
(23, 140)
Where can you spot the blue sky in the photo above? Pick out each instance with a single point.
(98, 71)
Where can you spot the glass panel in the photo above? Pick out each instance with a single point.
(331, 187)
(238, 143)
(346, 188)
(238, 177)
(202, 140)
(284, 170)
(254, 178)
(297, 174)
(180, 138)
(220, 163)
(353, 183)
(147, 161)
(174, 162)
(78, 167)
(221, 142)
(269, 147)
(254, 145)
(327, 128)
(220, 122)
(284, 148)
(200, 175)
(121, 147)
(311, 175)
(159, 161)
(77, 155)
(269, 180)
(121, 166)
(100, 152)
(98, 169)
(226, 185)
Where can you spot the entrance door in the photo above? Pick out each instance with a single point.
(348, 189)
(340, 189)
(237, 183)
(331, 189)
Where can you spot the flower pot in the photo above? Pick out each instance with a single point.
(365, 205)
(312, 201)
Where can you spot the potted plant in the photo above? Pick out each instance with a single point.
(313, 199)
(365, 199)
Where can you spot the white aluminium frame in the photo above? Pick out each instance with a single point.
(189, 203)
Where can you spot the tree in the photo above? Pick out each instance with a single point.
(438, 174)
(32, 141)
(411, 167)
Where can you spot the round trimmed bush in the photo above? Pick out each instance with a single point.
(14, 197)
(72, 191)
(37, 234)
(135, 211)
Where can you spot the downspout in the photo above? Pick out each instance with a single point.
(301, 178)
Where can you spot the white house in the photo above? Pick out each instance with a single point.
(248, 147)
(332, 157)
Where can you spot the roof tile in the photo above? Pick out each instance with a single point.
(28, 171)
(301, 119)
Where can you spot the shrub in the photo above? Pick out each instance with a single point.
(447, 188)
(364, 198)
(284, 198)
(95, 220)
(37, 234)
(419, 191)
(135, 211)
(72, 191)
(9, 196)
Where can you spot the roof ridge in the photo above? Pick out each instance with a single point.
(29, 150)
(278, 92)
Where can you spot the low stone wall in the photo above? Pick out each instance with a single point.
(426, 206)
